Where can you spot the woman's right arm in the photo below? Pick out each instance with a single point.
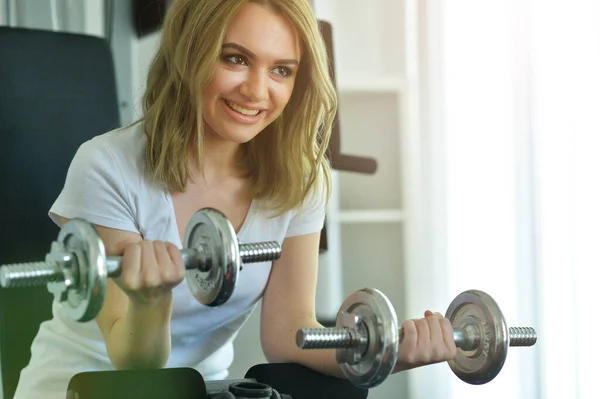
(136, 315)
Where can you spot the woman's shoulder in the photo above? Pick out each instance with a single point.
(119, 156)
(122, 149)
(127, 142)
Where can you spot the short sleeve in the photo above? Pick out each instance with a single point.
(95, 190)
(310, 217)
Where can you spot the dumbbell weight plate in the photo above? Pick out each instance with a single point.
(481, 365)
(211, 230)
(381, 354)
(84, 299)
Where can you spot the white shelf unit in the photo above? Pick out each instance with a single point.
(360, 85)
(370, 217)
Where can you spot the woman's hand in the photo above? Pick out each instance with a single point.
(149, 271)
(425, 341)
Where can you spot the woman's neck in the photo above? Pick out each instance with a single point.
(220, 161)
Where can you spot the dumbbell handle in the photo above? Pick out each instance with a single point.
(468, 337)
(348, 338)
(197, 259)
(40, 273)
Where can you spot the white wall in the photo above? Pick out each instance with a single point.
(3, 12)
(3, 21)
(144, 50)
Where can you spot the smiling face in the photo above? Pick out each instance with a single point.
(254, 78)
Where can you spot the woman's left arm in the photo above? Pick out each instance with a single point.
(289, 305)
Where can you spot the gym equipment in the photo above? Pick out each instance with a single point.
(266, 380)
(76, 268)
(366, 337)
(301, 382)
(243, 389)
(218, 256)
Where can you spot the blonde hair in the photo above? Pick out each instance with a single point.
(287, 160)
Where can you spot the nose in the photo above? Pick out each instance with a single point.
(255, 86)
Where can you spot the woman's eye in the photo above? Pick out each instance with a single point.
(235, 59)
(283, 71)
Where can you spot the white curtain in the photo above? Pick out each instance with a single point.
(566, 126)
(77, 16)
(515, 87)
(3, 12)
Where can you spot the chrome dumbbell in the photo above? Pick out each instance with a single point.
(366, 337)
(76, 268)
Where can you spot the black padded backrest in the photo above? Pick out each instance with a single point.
(57, 90)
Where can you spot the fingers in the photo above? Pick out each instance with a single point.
(408, 333)
(150, 273)
(165, 269)
(131, 265)
(448, 334)
(426, 341)
(119, 248)
(151, 264)
(170, 263)
(177, 261)
(435, 334)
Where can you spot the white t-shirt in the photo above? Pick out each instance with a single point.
(106, 185)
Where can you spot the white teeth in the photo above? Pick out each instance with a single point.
(241, 110)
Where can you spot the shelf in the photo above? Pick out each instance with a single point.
(368, 85)
(370, 216)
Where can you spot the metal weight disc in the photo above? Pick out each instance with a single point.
(481, 365)
(381, 353)
(210, 232)
(85, 297)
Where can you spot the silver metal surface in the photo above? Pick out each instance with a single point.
(192, 258)
(378, 318)
(359, 338)
(467, 338)
(260, 252)
(197, 258)
(522, 336)
(210, 231)
(76, 268)
(367, 340)
(211, 234)
(477, 312)
(330, 338)
(30, 274)
(81, 251)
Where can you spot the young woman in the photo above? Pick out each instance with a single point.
(237, 116)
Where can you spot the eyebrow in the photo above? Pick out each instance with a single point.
(251, 55)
